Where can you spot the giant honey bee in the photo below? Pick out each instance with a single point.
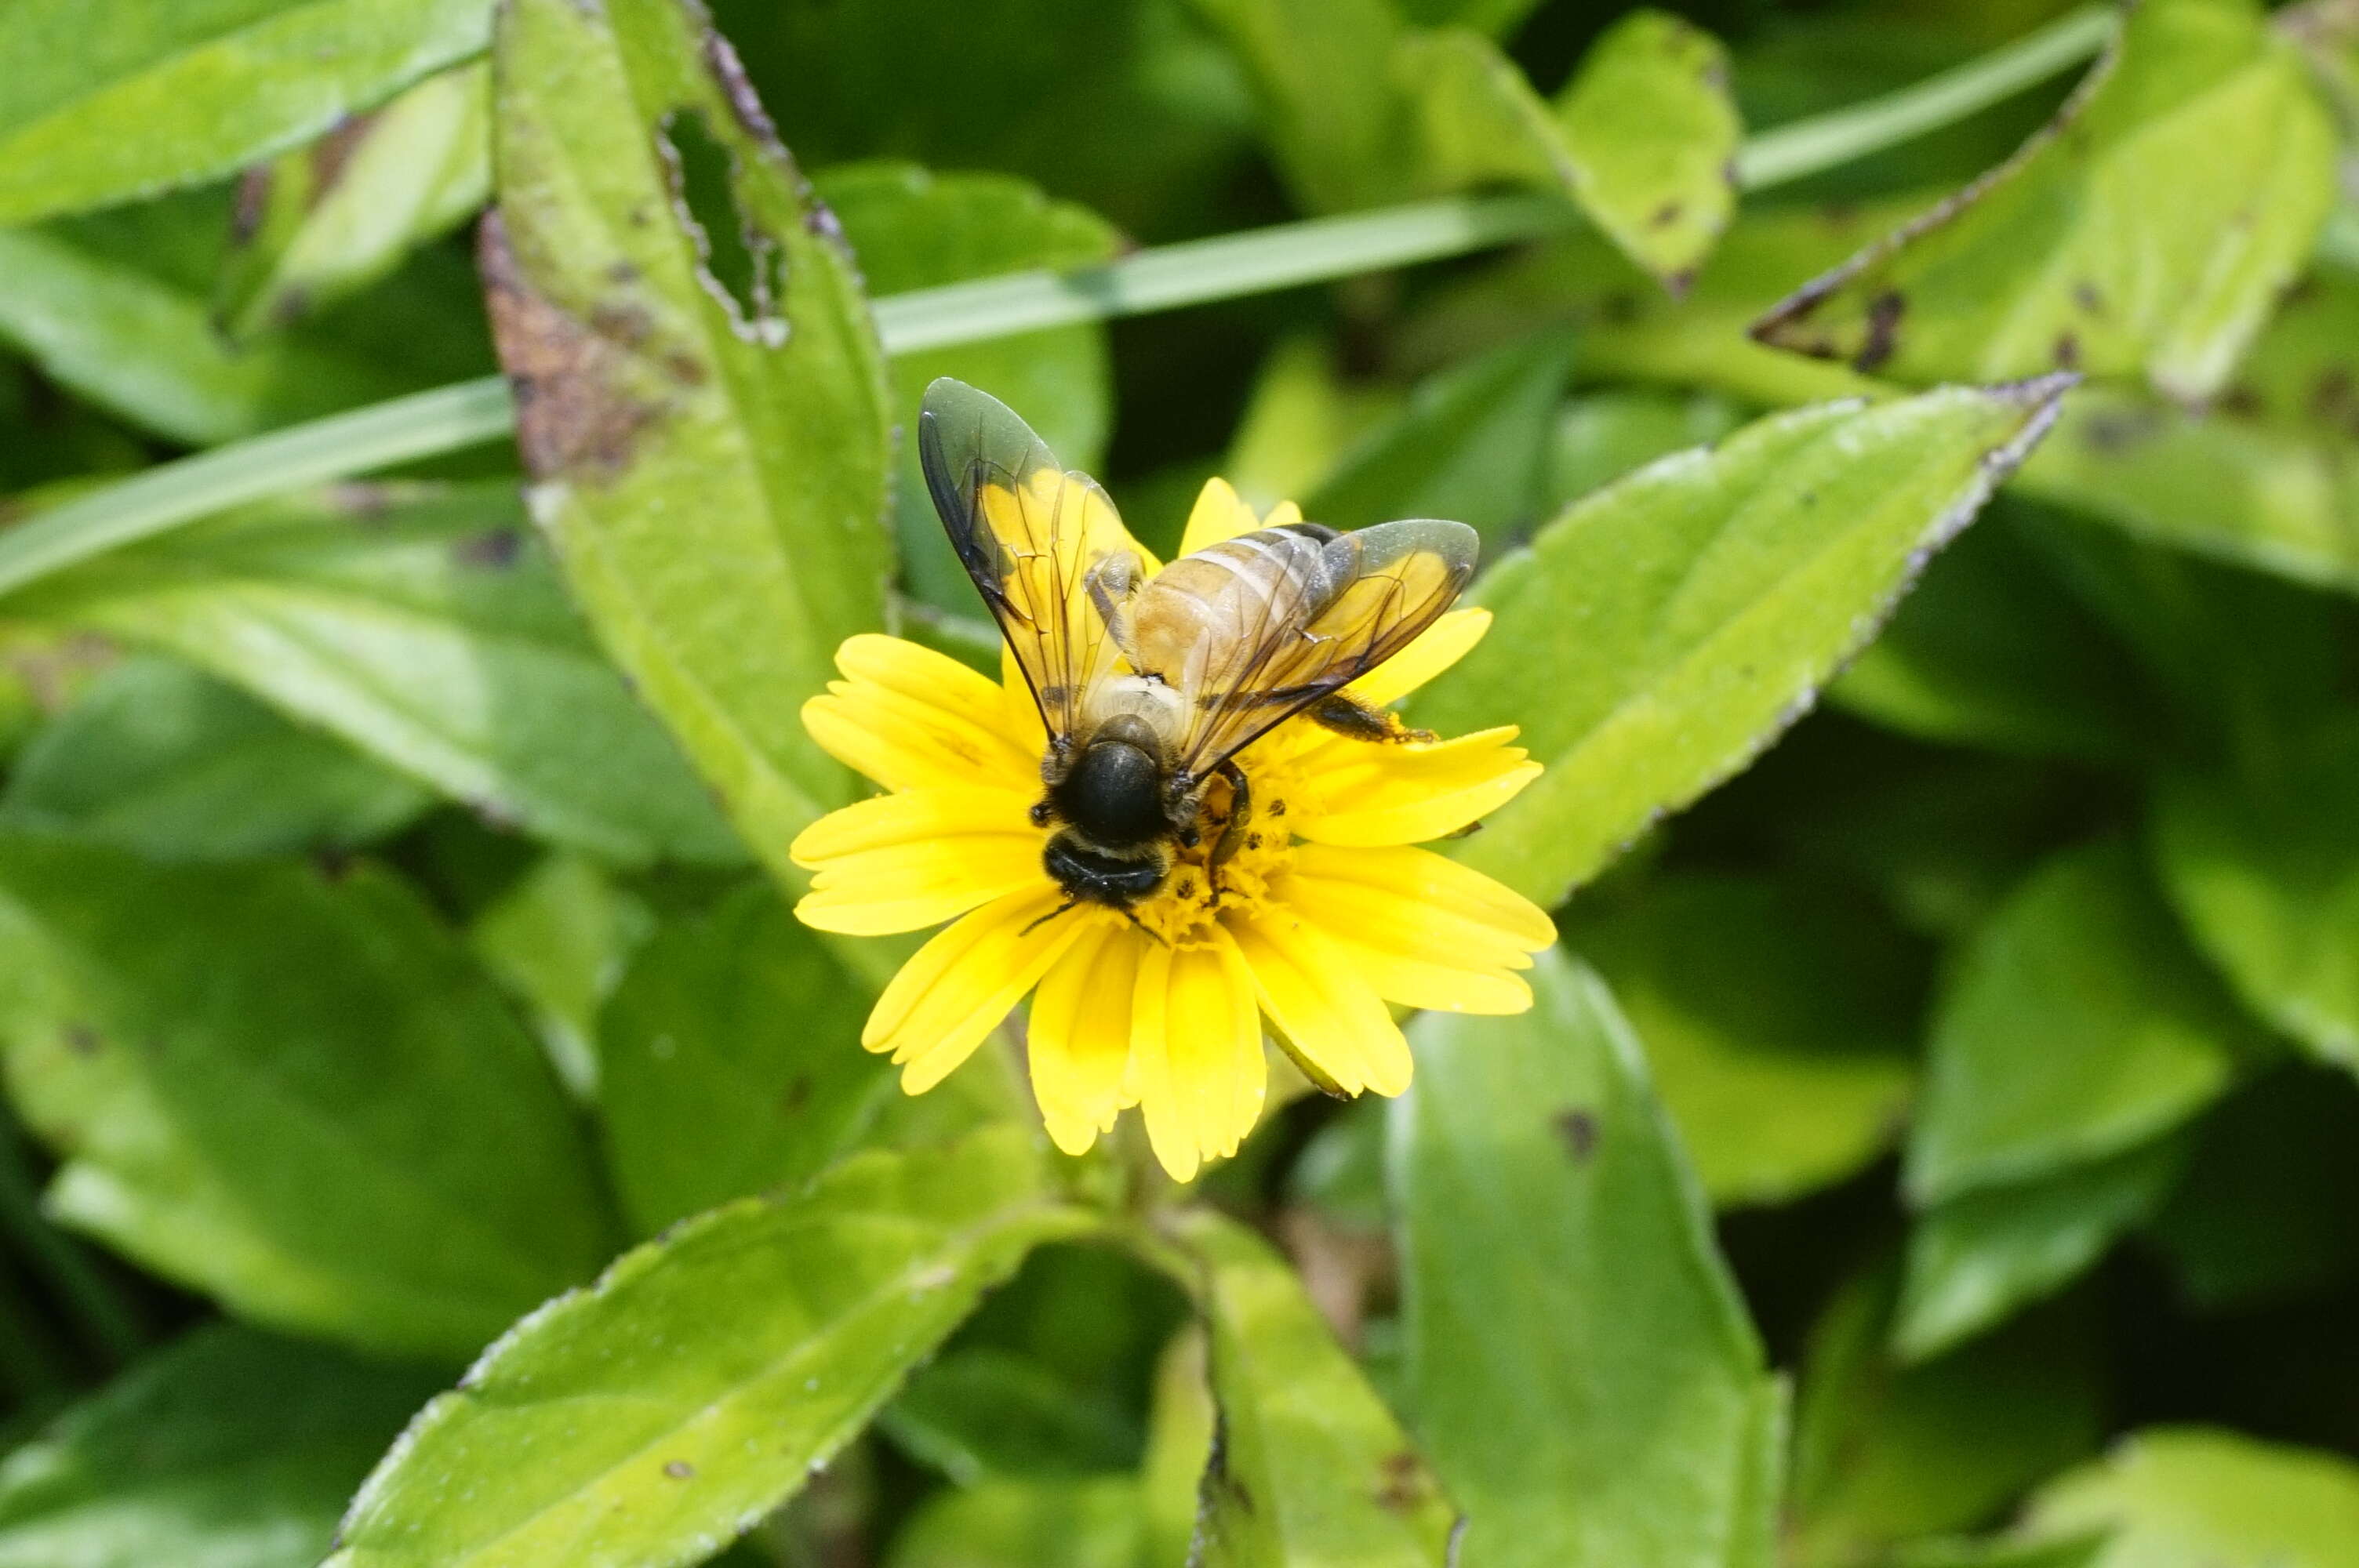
(1150, 687)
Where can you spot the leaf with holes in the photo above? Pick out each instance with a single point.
(702, 1381)
(2147, 232)
(108, 99)
(1661, 630)
(911, 229)
(293, 1092)
(702, 402)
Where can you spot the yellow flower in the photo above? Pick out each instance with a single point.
(1324, 915)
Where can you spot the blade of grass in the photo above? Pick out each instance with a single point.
(451, 419)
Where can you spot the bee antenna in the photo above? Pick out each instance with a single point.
(1069, 905)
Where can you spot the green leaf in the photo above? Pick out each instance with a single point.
(1992, 651)
(1882, 1453)
(1309, 1469)
(1654, 134)
(2148, 231)
(331, 219)
(159, 759)
(1661, 631)
(1178, 1446)
(1974, 1259)
(702, 402)
(2265, 872)
(424, 627)
(1300, 421)
(648, 1419)
(115, 307)
(232, 1449)
(1778, 1018)
(730, 1061)
(1092, 1523)
(2075, 1025)
(980, 1412)
(2263, 1217)
(1472, 443)
(1578, 1360)
(291, 1092)
(2173, 1496)
(909, 230)
(1321, 73)
(559, 938)
(109, 100)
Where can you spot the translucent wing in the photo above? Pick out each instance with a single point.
(1257, 628)
(1044, 544)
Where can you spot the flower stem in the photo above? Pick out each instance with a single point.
(451, 419)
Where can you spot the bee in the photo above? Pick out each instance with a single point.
(1148, 688)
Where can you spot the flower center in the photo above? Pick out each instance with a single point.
(1199, 892)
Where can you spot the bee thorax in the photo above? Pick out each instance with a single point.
(1113, 795)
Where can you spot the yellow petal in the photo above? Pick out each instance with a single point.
(1219, 514)
(1197, 1038)
(1080, 1035)
(913, 815)
(1414, 901)
(1360, 793)
(1439, 646)
(1020, 709)
(955, 989)
(1312, 991)
(908, 717)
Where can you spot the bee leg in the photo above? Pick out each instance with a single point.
(1347, 714)
(1070, 903)
(1233, 832)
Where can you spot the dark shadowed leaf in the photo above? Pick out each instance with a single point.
(732, 1064)
(980, 1411)
(290, 1091)
(2263, 1217)
(1309, 1469)
(2147, 232)
(425, 627)
(232, 1449)
(1778, 1019)
(1602, 435)
(109, 99)
(2264, 869)
(1974, 1259)
(1991, 650)
(2194, 1495)
(1093, 1523)
(1658, 634)
(1580, 1366)
(161, 759)
(2075, 1025)
(703, 406)
(647, 1419)
(559, 937)
(1472, 443)
(325, 222)
(1884, 1452)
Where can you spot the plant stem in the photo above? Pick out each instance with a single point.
(450, 418)
(1826, 141)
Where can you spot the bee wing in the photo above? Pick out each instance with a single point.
(1279, 619)
(1044, 546)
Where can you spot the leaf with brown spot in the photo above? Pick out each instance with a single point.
(1309, 1469)
(702, 401)
(2155, 220)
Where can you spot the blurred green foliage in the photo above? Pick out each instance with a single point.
(1925, 567)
